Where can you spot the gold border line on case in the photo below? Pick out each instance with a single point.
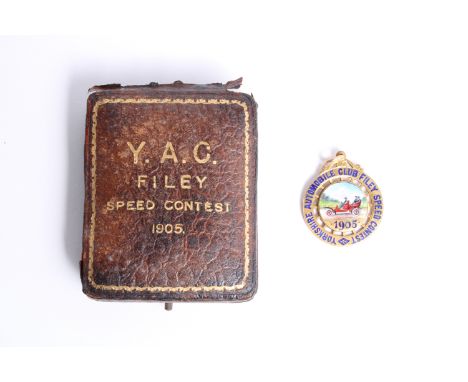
(246, 196)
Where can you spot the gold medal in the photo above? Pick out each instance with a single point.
(342, 205)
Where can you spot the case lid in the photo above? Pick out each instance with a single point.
(170, 209)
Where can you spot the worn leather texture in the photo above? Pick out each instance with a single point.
(173, 218)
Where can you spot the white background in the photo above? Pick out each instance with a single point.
(387, 82)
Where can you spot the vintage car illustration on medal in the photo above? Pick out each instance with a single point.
(346, 207)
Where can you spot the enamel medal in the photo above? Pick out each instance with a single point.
(342, 205)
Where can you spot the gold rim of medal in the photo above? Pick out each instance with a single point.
(342, 205)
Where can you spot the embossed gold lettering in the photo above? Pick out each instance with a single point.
(137, 151)
(196, 153)
(169, 153)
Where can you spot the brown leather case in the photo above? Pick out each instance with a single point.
(170, 193)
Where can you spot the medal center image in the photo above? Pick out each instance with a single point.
(344, 207)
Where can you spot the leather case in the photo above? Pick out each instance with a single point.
(170, 193)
